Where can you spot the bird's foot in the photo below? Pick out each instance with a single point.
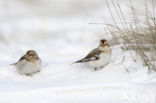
(29, 75)
(101, 67)
(98, 68)
(95, 69)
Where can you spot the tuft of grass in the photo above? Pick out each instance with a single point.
(138, 36)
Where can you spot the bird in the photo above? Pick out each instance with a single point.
(98, 57)
(28, 64)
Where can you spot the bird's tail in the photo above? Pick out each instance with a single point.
(79, 61)
(14, 64)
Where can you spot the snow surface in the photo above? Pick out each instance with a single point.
(59, 42)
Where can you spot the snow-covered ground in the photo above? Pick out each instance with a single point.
(60, 33)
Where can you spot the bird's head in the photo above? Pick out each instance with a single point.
(103, 43)
(31, 55)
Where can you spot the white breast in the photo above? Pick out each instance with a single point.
(25, 67)
(104, 59)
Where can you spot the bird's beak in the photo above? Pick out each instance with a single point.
(26, 56)
(102, 45)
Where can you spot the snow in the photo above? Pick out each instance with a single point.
(59, 42)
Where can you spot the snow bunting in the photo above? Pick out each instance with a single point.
(99, 57)
(29, 64)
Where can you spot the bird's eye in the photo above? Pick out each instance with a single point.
(31, 54)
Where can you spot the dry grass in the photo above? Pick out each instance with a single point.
(138, 36)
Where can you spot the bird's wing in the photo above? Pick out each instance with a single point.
(22, 58)
(92, 56)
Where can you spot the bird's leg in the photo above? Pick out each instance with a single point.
(95, 69)
(38, 71)
(101, 67)
(98, 68)
(29, 75)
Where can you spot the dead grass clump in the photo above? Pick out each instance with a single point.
(138, 36)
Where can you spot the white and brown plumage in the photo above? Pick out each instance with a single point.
(29, 64)
(99, 57)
